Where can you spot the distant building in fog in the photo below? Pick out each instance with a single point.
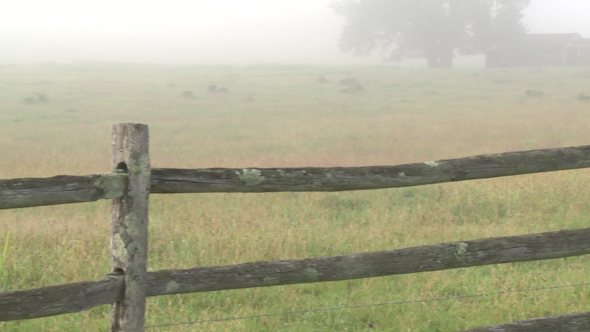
(542, 50)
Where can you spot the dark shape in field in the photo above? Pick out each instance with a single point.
(39, 98)
(214, 89)
(188, 94)
(349, 81)
(534, 93)
(29, 100)
(322, 79)
(583, 97)
(351, 85)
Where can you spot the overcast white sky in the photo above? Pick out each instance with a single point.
(206, 31)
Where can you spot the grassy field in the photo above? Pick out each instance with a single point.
(55, 119)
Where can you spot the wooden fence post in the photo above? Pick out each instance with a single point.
(129, 224)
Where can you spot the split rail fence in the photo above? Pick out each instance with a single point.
(132, 180)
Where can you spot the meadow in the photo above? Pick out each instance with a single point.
(55, 119)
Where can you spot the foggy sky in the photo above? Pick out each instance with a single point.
(206, 31)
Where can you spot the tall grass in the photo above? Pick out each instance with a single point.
(3, 272)
(285, 117)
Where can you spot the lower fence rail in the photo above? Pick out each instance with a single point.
(577, 322)
(81, 296)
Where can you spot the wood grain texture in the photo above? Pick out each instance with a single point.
(373, 264)
(48, 301)
(63, 189)
(129, 224)
(165, 181)
(577, 322)
(17, 193)
(60, 299)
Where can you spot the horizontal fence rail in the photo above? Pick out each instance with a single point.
(69, 298)
(17, 193)
(571, 323)
(63, 189)
(211, 180)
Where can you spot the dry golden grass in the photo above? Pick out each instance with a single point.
(281, 117)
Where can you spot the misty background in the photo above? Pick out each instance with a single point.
(208, 32)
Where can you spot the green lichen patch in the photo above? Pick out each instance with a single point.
(460, 249)
(112, 184)
(142, 166)
(131, 224)
(252, 177)
(270, 281)
(377, 179)
(118, 248)
(296, 177)
(402, 174)
(311, 273)
(432, 163)
(172, 286)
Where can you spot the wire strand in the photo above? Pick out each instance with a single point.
(365, 305)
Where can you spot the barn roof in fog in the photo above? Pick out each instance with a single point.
(542, 50)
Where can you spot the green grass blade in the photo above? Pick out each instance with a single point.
(3, 257)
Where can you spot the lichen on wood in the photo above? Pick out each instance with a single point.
(251, 177)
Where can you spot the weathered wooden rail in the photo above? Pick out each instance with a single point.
(18, 193)
(26, 304)
(132, 180)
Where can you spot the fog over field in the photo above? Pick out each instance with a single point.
(256, 84)
(207, 31)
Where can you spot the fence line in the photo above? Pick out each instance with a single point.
(365, 178)
(34, 303)
(132, 180)
(27, 192)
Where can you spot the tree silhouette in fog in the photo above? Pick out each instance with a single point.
(434, 29)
